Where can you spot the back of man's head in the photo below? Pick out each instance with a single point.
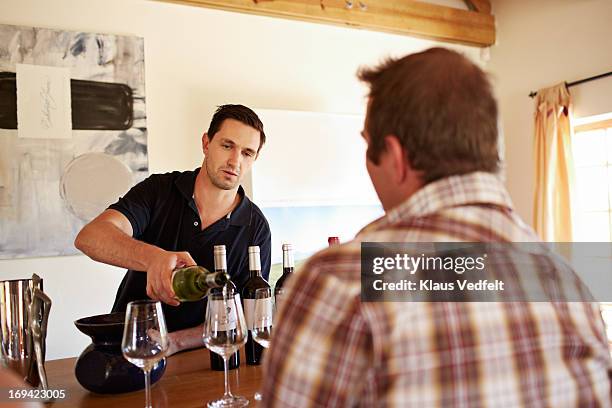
(440, 106)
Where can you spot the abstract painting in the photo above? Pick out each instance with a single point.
(55, 177)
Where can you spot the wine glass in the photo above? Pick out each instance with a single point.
(262, 320)
(279, 296)
(145, 338)
(263, 314)
(225, 331)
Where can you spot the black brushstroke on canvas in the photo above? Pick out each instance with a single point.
(79, 45)
(125, 144)
(95, 105)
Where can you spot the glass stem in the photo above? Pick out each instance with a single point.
(147, 374)
(227, 394)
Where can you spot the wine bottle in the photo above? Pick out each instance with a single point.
(255, 281)
(331, 241)
(220, 259)
(193, 282)
(288, 266)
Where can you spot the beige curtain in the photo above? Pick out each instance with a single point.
(554, 168)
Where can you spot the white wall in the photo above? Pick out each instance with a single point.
(539, 44)
(196, 59)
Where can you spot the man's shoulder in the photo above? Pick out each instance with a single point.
(171, 176)
(341, 261)
(259, 218)
(336, 269)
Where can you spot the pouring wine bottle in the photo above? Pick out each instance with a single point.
(220, 259)
(255, 281)
(193, 282)
(288, 266)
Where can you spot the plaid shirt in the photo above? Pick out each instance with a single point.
(331, 350)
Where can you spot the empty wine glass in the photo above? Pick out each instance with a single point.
(145, 338)
(225, 331)
(263, 314)
(279, 295)
(262, 320)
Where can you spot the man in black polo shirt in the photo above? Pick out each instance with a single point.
(173, 220)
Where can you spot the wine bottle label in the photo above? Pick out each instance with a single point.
(258, 313)
(249, 311)
(263, 313)
(227, 314)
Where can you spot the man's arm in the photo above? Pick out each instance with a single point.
(322, 346)
(108, 239)
(185, 339)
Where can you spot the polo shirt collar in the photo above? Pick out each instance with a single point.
(469, 189)
(241, 216)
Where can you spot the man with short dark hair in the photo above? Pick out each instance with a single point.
(431, 131)
(175, 219)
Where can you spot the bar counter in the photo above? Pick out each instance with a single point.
(187, 382)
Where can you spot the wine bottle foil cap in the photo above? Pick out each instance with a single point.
(220, 258)
(254, 259)
(287, 247)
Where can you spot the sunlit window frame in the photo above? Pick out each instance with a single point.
(585, 126)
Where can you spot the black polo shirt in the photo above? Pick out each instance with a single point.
(163, 213)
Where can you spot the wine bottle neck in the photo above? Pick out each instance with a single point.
(200, 282)
(220, 263)
(288, 261)
(254, 273)
(254, 259)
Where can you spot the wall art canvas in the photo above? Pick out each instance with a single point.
(73, 135)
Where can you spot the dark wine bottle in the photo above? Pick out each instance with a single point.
(288, 266)
(216, 361)
(255, 281)
(193, 282)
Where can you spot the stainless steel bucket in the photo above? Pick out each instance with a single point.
(24, 312)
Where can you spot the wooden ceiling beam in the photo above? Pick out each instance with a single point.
(407, 17)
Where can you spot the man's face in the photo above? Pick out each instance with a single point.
(379, 173)
(231, 153)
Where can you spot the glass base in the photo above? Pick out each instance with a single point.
(230, 402)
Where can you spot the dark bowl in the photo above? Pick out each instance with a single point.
(103, 329)
(101, 367)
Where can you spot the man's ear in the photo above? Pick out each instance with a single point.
(205, 142)
(398, 160)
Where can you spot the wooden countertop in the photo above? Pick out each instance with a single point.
(187, 382)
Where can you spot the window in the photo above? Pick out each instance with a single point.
(311, 181)
(592, 146)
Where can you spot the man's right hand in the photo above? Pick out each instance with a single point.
(159, 274)
(108, 239)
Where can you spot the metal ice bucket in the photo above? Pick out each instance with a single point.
(24, 312)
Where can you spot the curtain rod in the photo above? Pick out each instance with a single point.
(578, 82)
